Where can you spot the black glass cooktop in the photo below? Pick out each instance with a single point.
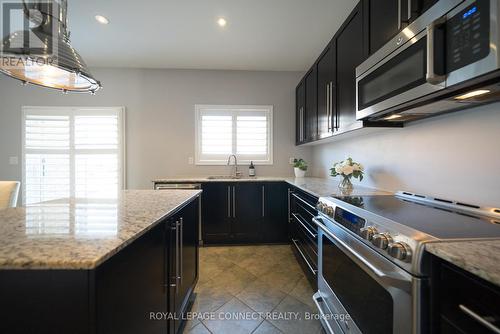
(442, 223)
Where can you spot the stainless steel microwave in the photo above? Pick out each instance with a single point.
(446, 59)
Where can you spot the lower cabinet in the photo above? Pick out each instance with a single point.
(303, 233)
(244, 212)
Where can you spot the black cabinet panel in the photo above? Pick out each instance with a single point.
(384, 21)
(275, 223)
(351, 51)
(311, 112)
(326, 91)
(247, 203)
(216, 212)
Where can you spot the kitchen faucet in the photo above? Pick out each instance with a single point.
(236, 174)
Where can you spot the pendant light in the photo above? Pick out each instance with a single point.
(50, 61)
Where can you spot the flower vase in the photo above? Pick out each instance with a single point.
(346, 185)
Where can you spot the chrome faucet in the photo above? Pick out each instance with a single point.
(236, 174)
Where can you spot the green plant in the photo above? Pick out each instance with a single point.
(348, 168)
(300, 164)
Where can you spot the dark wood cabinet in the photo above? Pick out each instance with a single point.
(300, 106)
(351, 51)
(327, 110)
(384, 21)
(247, 212)
(311, 111)
(244, 212)
(216, 212)
(275, 223)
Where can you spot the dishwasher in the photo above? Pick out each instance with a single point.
(186, 186)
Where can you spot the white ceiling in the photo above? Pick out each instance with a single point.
(261, 34)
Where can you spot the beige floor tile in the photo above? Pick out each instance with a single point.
(282, 278)
(233, 280)
(304, 292)
(267, 328)
(210, 298)
(258, 265)
(212, 266)
(294, 325)
(261, 296)
(227, 323)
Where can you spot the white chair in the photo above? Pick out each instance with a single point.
(9, 191)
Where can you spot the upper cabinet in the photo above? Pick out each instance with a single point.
(311, 105)
(300, 106)
(327, 85)
(351, 51)
(386, 18)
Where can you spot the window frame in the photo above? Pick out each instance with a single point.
(234, 111)
(72, 112)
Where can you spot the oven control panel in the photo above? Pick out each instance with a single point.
(391, 243)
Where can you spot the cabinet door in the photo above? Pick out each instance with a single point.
(216, 212)
(188, 266)
(275, 210)
(311, 105)
(384, 21)
(247, 214)
(351, 52)
(300, 99)
(326, 89)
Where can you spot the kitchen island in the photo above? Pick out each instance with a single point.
(99, 266)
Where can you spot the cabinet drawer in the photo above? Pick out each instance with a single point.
(468, 305)
(307, 236)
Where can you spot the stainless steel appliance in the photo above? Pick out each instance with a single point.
(373, 269)
(446, 59)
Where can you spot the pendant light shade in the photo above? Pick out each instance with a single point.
(50, 61)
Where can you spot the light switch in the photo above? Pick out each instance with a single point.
(191, 161)
(291, 161)
(13, 161)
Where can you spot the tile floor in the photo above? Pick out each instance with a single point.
(238, 279)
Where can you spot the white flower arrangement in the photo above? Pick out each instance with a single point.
(348, 168)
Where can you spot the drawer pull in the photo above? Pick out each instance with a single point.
(479, 319)
(304, 201)
(314, 235)
(304, 257)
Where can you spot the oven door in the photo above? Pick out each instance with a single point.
(399, 78)
(361, 291)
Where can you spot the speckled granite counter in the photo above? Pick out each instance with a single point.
(81, 234)
(313, 185)
(481, 258)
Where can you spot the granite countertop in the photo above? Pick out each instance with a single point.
(81, 233)
(315, 186)
(481, 258)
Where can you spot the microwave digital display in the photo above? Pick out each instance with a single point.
(349, 220)
(468, 36)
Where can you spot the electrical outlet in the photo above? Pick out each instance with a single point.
(191, 160)
(13, 160)
(291, 161)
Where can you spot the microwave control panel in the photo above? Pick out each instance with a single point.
(468, 36)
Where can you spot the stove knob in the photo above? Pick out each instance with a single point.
(368, 232)
(329, 211)
(381, 240)
(400, 251)
(320, 206)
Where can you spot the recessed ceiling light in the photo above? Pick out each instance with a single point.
(392, 117)
(222, 22)
(101, 19)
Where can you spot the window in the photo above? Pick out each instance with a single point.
(72, 152)
(245, 131)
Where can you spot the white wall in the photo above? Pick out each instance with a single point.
(160, 116)
(454, 156)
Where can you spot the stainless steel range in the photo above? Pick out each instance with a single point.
(373, 268)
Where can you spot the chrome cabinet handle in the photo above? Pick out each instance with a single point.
(304, 257)
(479, 319)
(289, 208)
(181, 246)
(304, 201)
(234, 203)
(334, 125)
(431, 76)
(399, 15)
(409, 10)
(263, 201)
(328, 106)
(314, 235)
(176, 278)
(228, 202)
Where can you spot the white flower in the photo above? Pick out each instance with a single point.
(338, 169)
(347, 170)
(356, 167)
(361, 167)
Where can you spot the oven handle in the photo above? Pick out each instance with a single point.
(323, 315)
(432, 77)
(389, 280)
